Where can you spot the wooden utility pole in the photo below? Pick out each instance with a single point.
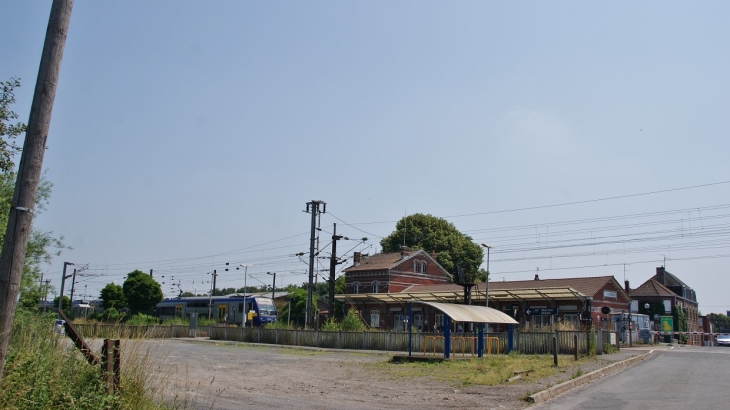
(20, 217)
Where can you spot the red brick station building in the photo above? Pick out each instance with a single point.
(380, 287)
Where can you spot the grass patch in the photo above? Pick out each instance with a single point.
(489, 371)
(44, 371)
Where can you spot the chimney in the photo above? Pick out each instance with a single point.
(433, 253)
(404, 251)
(356, 258)
(626, 286)
(660, 275)
(537, 277)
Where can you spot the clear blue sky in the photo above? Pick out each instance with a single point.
(186, 135)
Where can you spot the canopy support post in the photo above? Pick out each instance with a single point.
(447, 336)
(410, 329)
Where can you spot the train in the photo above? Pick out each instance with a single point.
(229, 309)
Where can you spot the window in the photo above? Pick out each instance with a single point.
(356, 287)
(439, 320)
(374, 318)
(376, 286)
(573, 318)
(416, 265)
(423, 267)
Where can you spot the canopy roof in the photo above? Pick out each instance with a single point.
(455, 294)
(471, 313)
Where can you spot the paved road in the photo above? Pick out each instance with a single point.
(678, 378)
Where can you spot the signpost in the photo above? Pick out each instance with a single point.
(667, 326)
(542, 311)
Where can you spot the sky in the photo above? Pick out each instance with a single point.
(578, 139)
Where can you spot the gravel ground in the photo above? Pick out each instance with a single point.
(229, 375)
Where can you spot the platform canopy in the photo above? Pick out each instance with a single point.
(471, 313)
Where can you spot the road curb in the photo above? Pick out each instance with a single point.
(569, 385)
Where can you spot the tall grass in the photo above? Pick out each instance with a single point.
(44, 371)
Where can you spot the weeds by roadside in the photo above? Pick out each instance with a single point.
(490, 371)
(44, 371)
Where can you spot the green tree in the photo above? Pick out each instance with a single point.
(9, 129)
(66, 306)
(431, 233)
(112, 296)
(720, 322)
(42, 245)
(142, 292)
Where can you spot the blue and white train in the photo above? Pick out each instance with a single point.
(258, 310)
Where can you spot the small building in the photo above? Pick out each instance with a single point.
(663, 291)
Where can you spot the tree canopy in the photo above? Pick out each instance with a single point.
(42, 245)
(141, 291)
(431, 233)
(112, 296)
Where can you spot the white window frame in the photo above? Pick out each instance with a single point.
(438, 319)
(376, 286)
(356, 288)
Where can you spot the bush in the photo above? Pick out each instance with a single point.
(351, 322)
(331, 326)
(141, 319)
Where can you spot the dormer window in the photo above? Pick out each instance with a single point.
(423, 267)
(416, 266)
(376, 286)
(356, 287)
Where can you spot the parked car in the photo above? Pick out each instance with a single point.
(723, 340)
(58, 327)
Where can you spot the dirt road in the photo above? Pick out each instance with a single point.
(222, 375)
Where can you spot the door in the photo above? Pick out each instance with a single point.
(221, 313)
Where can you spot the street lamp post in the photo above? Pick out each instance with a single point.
(245, 302)
(486, 292)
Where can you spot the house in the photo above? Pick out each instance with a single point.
(393, 272)
(380, 287)
(663, 291)
(388, 273)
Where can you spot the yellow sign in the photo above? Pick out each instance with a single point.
(667, 324)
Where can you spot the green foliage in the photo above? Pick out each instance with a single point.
(110, 315)
(112, 296)
(276, 325)
(680, 323)
(41, 372)
(330, 325)
(593, 340)
(141, 319)
(177, 321)
(298, 305)
(720, 322)
(352, 322)
(655, 308)
(66, 304)
(141, 291)
(436, 234)
(8, 128)
(41, 244)
(203, 321)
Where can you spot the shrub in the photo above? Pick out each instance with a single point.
(351, 322)
(331, 325)
(141, 319)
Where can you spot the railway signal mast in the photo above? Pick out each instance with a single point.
(315, 208)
